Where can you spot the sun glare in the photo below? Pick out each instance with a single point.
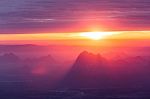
(96, 35)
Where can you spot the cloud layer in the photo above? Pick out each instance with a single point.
(29, 16)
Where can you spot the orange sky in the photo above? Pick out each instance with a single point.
(75, 38)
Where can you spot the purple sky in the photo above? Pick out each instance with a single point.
(29, 16)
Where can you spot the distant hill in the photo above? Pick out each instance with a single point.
(9, 61)
(89, 70)
(9, 58)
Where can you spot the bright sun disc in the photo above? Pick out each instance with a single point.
(95, 35)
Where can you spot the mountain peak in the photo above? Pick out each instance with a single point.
(87, 71)
(88, 57)
(9, 57)
(84, 52)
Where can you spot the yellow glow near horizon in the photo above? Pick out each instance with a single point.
(76, 36)
(96, 35)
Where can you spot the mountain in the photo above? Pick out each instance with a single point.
(9, 61)
(89, 70)
(41, 73)
(93, 71)
(9, 58)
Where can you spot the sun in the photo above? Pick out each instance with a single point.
(95, 35)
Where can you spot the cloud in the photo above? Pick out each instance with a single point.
(26, 15)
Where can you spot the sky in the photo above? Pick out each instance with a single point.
(73, 16)
(32, 16)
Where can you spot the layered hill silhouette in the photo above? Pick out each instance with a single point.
(36, 71)
(93, 71)
(88, 71)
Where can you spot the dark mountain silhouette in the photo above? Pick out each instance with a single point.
(88, 71)
(9, 61)
(39, 72)
(93, 71)
(9, 58)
